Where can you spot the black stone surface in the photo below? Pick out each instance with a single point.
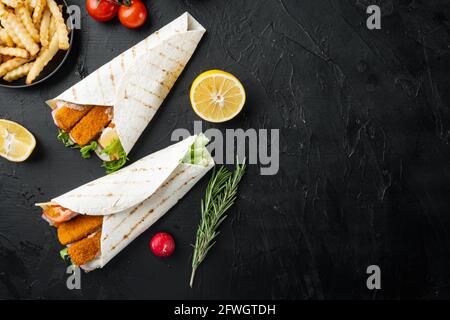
(364, 151)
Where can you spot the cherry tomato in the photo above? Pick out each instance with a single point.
(101, 10)
(132, 14)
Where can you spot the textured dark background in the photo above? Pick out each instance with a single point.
(365, 126)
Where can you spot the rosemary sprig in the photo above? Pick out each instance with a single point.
(219, 197)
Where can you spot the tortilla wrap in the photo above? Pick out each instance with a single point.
(136, 82)
(132, 199)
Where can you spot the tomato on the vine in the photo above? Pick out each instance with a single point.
(102, 10)
(132, 13)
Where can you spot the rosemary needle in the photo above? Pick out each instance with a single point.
(219, 197)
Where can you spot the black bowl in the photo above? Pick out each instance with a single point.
(51, 68)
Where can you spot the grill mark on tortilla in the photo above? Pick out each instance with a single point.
(138, 169)
(150, 212)
(122, 66)
(129, 182)
(142, 203)
(176, 47)
(167, 86)
(173, 74)
(100, 81)
(133, 52)
(122, 182)
(171, 60)
(125, 218)
(145, 169)
(90, 195)
(169, 73)
(111, 76)
(143, 103)
(134, 210)
(162, 186)
(147, 91)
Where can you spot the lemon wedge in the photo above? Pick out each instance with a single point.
(16, 142)
(217, 96)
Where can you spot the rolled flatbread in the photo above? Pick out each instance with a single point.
(136, 82)
(132, 199)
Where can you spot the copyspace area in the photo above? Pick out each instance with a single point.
(364, 156)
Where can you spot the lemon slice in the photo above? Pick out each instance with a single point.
(16, 142)
(217, 96)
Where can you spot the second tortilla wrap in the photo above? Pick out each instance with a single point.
(134, 198)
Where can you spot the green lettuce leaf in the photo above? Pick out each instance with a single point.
(64, 254)
(86, 150)
(114, 149)
(65, 139)
(197, 153)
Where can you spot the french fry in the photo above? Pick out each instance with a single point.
(12, 3)
(22, 34)
(43, 59)
(10, 31)
(52, 28)
(38, 11)
(15, 52)
(25, 16)
(11, 64)
(31, 3)
(61, 28)
(7, 58)
(18, 73)
(3, 10)
(33, 32)
(5, 38)
(45, 27)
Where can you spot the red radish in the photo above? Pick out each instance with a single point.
(162, 244)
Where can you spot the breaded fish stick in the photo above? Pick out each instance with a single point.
(91, 125)
(85, 250)
(67, 117)
(78, 228)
